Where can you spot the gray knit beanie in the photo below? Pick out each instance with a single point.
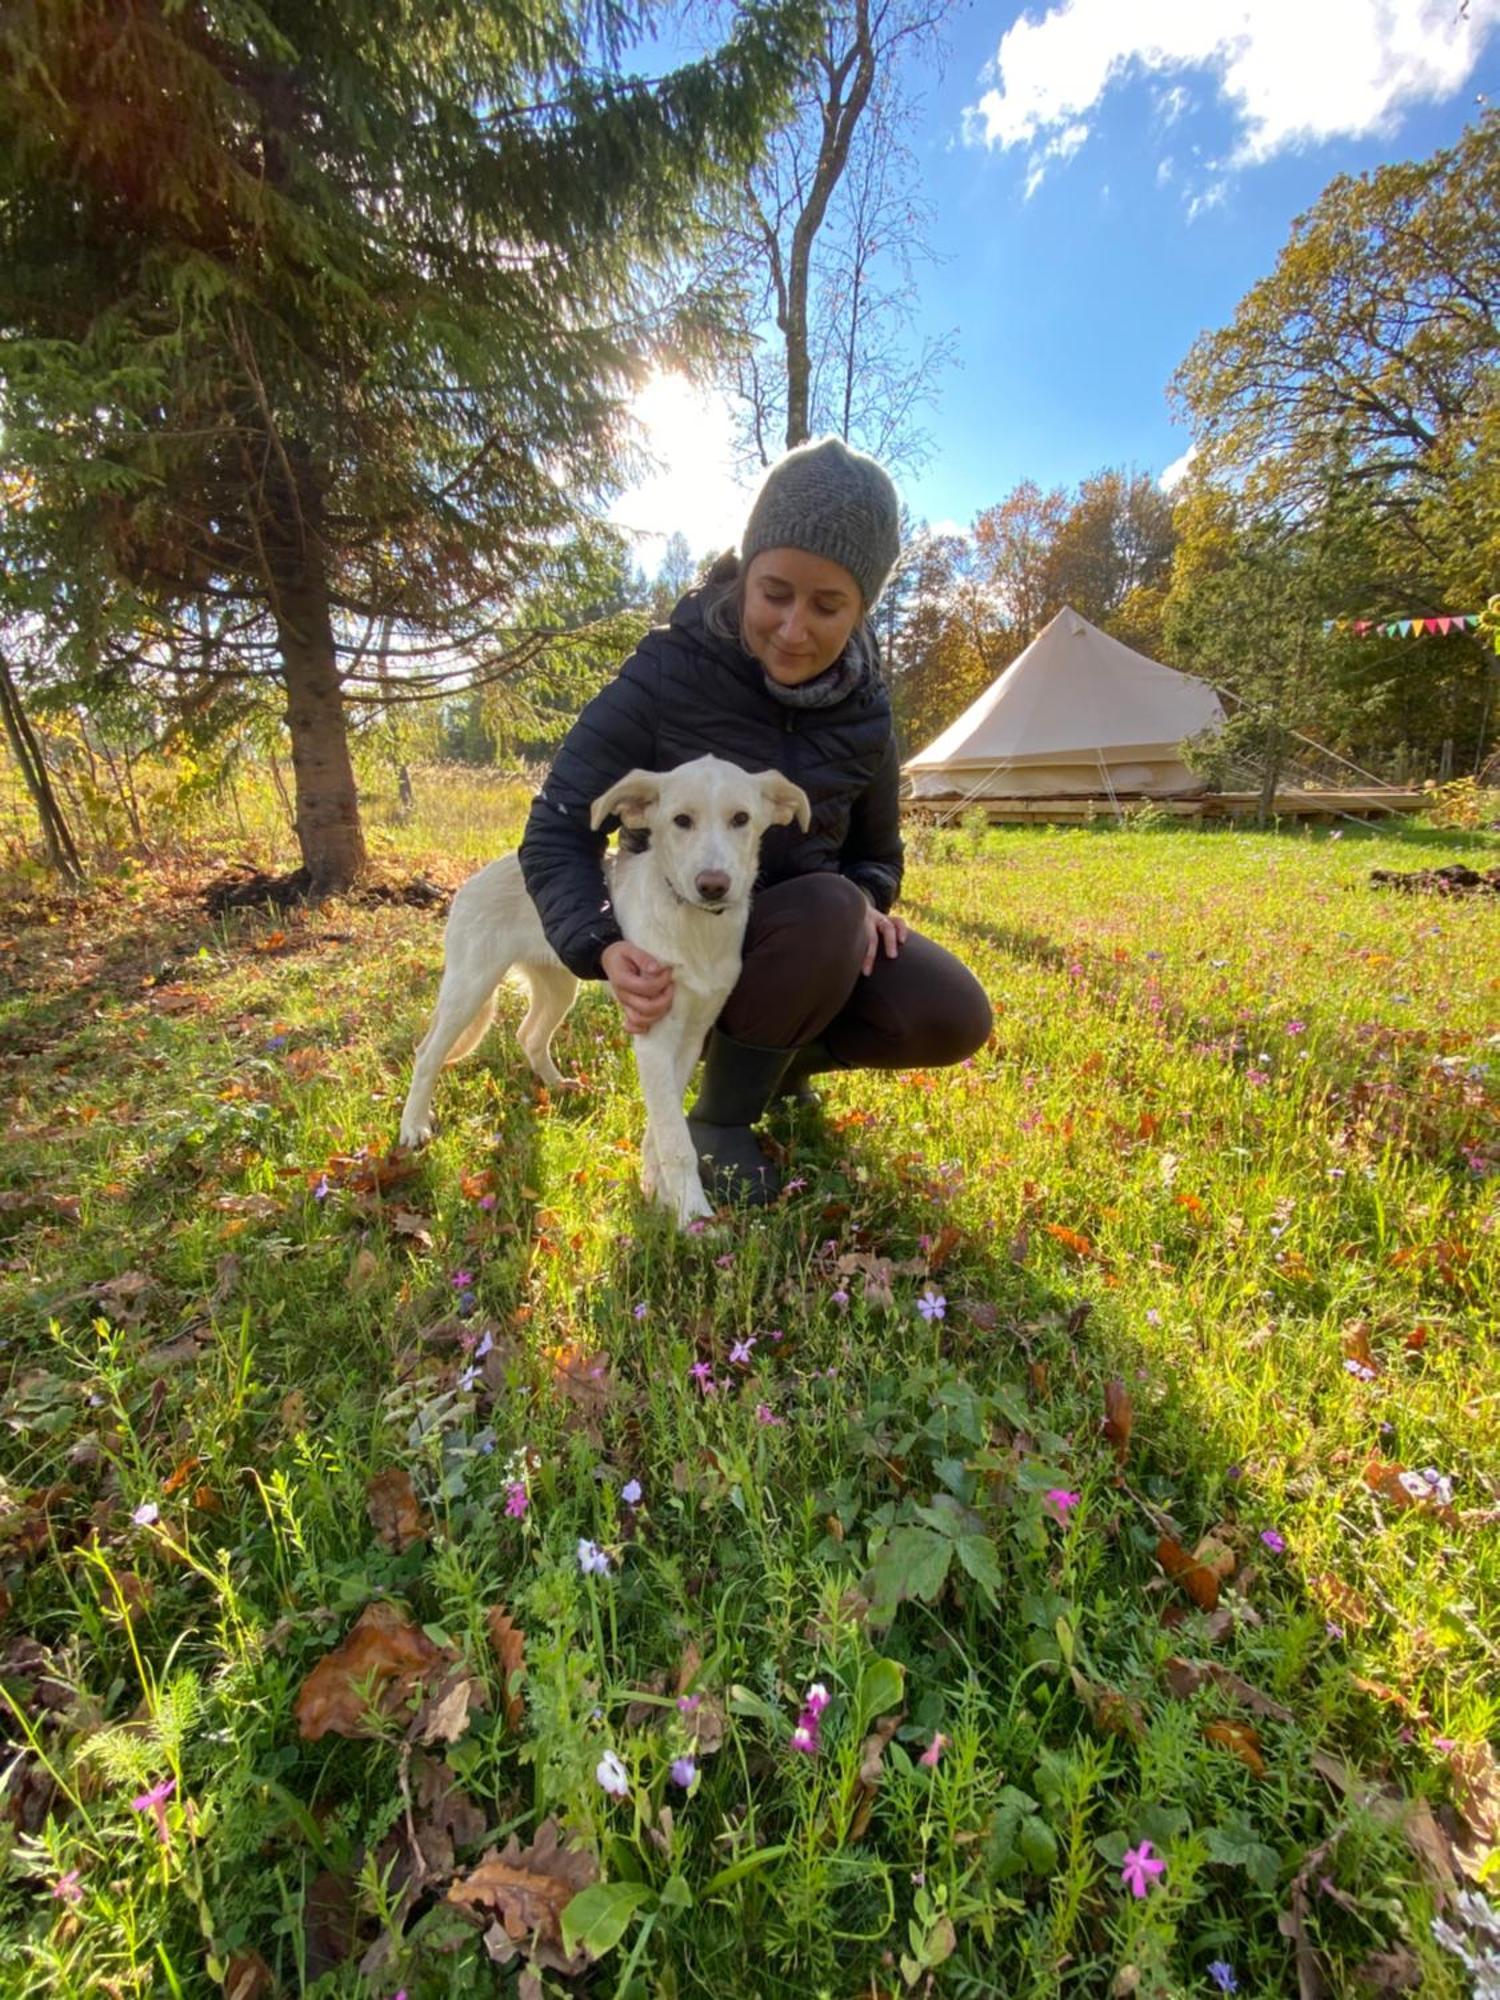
(829, 501)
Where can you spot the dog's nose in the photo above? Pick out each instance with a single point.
(712, 885)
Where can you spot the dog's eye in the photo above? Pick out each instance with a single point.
(740, 819)
(684, 820)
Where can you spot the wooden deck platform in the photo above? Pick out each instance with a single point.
(1294, 803)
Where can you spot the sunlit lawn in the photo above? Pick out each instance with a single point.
(1108, 1426)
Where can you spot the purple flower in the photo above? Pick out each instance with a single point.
(839, 1296)
(592, 1560)
(1361, 1370)
(470, 1376)
(764, 1414)
(932, 1305)
(147, 1514)
(805, 1736)
(67, 1888)
(463, 1281)
(702, 1373)
(795, 1185)
(486, 1343)
(1223, 1977)
(742, 1350)
(684, 1770)
(816, 1699)
(639, 1311)
(517, 1500)
(687, 1704)
(726, 1262)
(155, 1802)
(630, 1492)
(1256, 1076)
(1296, 1028)
(1059, 1498)
(1274, 1541)
(321, 1191)
(934, 1750)
(1140, 1866)
(1153, 1317)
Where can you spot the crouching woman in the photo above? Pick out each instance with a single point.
(772, 664)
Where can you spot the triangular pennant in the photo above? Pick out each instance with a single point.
(1444, 625)
(1406, 628)
(1361, 626)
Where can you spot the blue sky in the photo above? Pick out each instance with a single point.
(1109, 178)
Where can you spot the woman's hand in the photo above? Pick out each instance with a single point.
(881, 933)
(641, 984)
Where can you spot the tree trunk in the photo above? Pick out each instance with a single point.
(61, 851)
(328, 827)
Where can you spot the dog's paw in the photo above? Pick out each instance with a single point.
(415, 1132)
(691, 1204)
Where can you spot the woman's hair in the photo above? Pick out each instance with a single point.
(723, 596)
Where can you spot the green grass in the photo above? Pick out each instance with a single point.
(1237, 1129)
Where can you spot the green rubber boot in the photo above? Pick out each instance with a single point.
(738, 1082)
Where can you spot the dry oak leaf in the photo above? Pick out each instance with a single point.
(395, 1512)
(443, 1818)
(871, 1771)
(1339, 1600)
(444, 1715)
(1119, 1417)
(509, 1642)
(1185, 1677)
(383, 1660)
(248, 1977)
(1384, 1476)
(1200, 1583)
(1240, 1740)
(525, 1891)
(1476, 1793)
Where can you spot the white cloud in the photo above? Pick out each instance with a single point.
(695, 489)
(1170, 104)
(1177, 471)
(1213, 196)
(1294, 73)
(1164, 171)
(1061, 146)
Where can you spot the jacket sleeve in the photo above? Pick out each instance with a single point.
(561, 856)
(873, 856)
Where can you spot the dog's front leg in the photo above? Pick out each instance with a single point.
(668, 1141)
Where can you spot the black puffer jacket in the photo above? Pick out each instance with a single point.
(685, 693)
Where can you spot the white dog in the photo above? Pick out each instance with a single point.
(680, 889)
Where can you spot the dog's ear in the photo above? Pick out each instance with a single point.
(628, 801)
(784, 800)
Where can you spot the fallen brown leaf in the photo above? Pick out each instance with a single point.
(1186, 1677)
(248, 1977)
(1200, 1584)
(1476, 1793)
(383, 1661)
(395, 1512)
(1119, 1417)
(1241, 1740)
(871, 1771)
(444, 1715)
(523, 1891)
(509, 1642)
(1339, 1600)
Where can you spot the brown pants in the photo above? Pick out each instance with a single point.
(801, 982)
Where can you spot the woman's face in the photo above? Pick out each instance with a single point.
(797, 614)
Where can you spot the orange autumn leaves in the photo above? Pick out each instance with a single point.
(389, 1671)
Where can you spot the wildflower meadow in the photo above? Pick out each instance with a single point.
(1053, 1552)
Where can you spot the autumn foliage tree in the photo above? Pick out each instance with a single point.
(318, 320)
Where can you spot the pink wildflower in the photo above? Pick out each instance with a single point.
(1140, 1867)
(1061, 1501)
(934, 1750)
(155, 1802)
(516, 1499)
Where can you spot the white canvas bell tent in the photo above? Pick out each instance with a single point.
(1076, 713)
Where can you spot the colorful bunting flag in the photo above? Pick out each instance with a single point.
(1441, 626)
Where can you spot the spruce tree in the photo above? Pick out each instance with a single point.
(322, 317)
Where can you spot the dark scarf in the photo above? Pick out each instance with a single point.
(848, 674)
